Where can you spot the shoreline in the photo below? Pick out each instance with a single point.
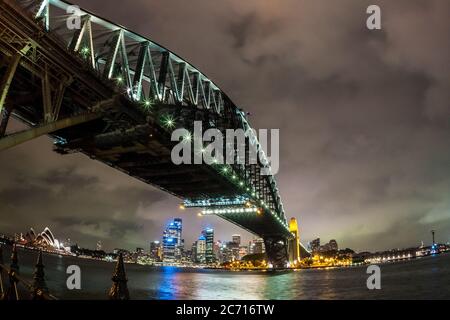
(216, 268)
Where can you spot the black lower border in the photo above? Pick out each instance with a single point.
(225, 309)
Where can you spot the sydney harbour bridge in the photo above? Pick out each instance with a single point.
(116, 96)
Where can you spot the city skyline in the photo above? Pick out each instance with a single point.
(314, 244)
(366, 151)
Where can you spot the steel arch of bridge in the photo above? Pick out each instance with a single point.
(147, 73)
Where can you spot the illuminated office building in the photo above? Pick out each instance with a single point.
(236, 238)
(155, 251)
(201, 249)
(172, 242)
(208, 233)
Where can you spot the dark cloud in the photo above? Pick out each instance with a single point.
(364, 118)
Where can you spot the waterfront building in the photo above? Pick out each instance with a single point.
(243, 251)
(172, 242)
(226, 254)
(44, 240)
(256, 246)
(233, 247)
(236, 238)
(208, 233)
(259, 246)
(315, 245)
(201, 249)
(194, 252)
(156, 251)
(333, 245)
(216, 250)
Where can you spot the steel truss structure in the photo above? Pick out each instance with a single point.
(116, 96)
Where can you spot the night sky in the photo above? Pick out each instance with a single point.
(364, 119)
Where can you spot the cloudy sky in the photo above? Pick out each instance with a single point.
(364, 119)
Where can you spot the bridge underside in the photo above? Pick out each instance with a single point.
(55, 92)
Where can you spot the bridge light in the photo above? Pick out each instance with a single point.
(225, 170)
(168, 121)
(234, 177)
(241, 183)
(187, 137)
(119, 79)
(147, 103)
(85, 50)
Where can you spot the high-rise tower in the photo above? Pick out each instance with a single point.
(209, 252)
(172, 243)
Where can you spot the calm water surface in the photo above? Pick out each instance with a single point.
(426, 278)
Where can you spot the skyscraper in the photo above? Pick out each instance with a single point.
(315, 245)
(155, 250)
(194, 252)
(236, 238)
(243, 251)
(333, 245)
(172, 242)
(201, 249)
(256, 246)
(259, 246)
(208, 233)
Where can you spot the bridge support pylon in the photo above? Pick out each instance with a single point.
(277, 251)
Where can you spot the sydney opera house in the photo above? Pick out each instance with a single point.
(44, 240)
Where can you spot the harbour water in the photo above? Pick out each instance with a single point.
(424, 278)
